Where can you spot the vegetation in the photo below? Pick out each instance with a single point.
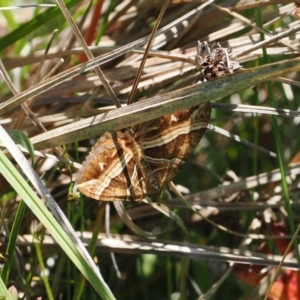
(228, 235)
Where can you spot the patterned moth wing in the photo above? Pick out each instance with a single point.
(168, 141)
(109, 172)
(132, 165)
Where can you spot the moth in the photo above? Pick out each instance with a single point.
(135, 163)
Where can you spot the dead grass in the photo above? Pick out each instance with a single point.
(235, 193)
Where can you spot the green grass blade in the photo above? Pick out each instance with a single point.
(27, 28)
(11, 246)
(4, 293)
(40, 210)
(278, 143)
(20, 138)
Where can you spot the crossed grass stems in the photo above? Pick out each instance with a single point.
(173, 187)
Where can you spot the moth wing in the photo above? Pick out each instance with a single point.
(168, 141)
(109, 172)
